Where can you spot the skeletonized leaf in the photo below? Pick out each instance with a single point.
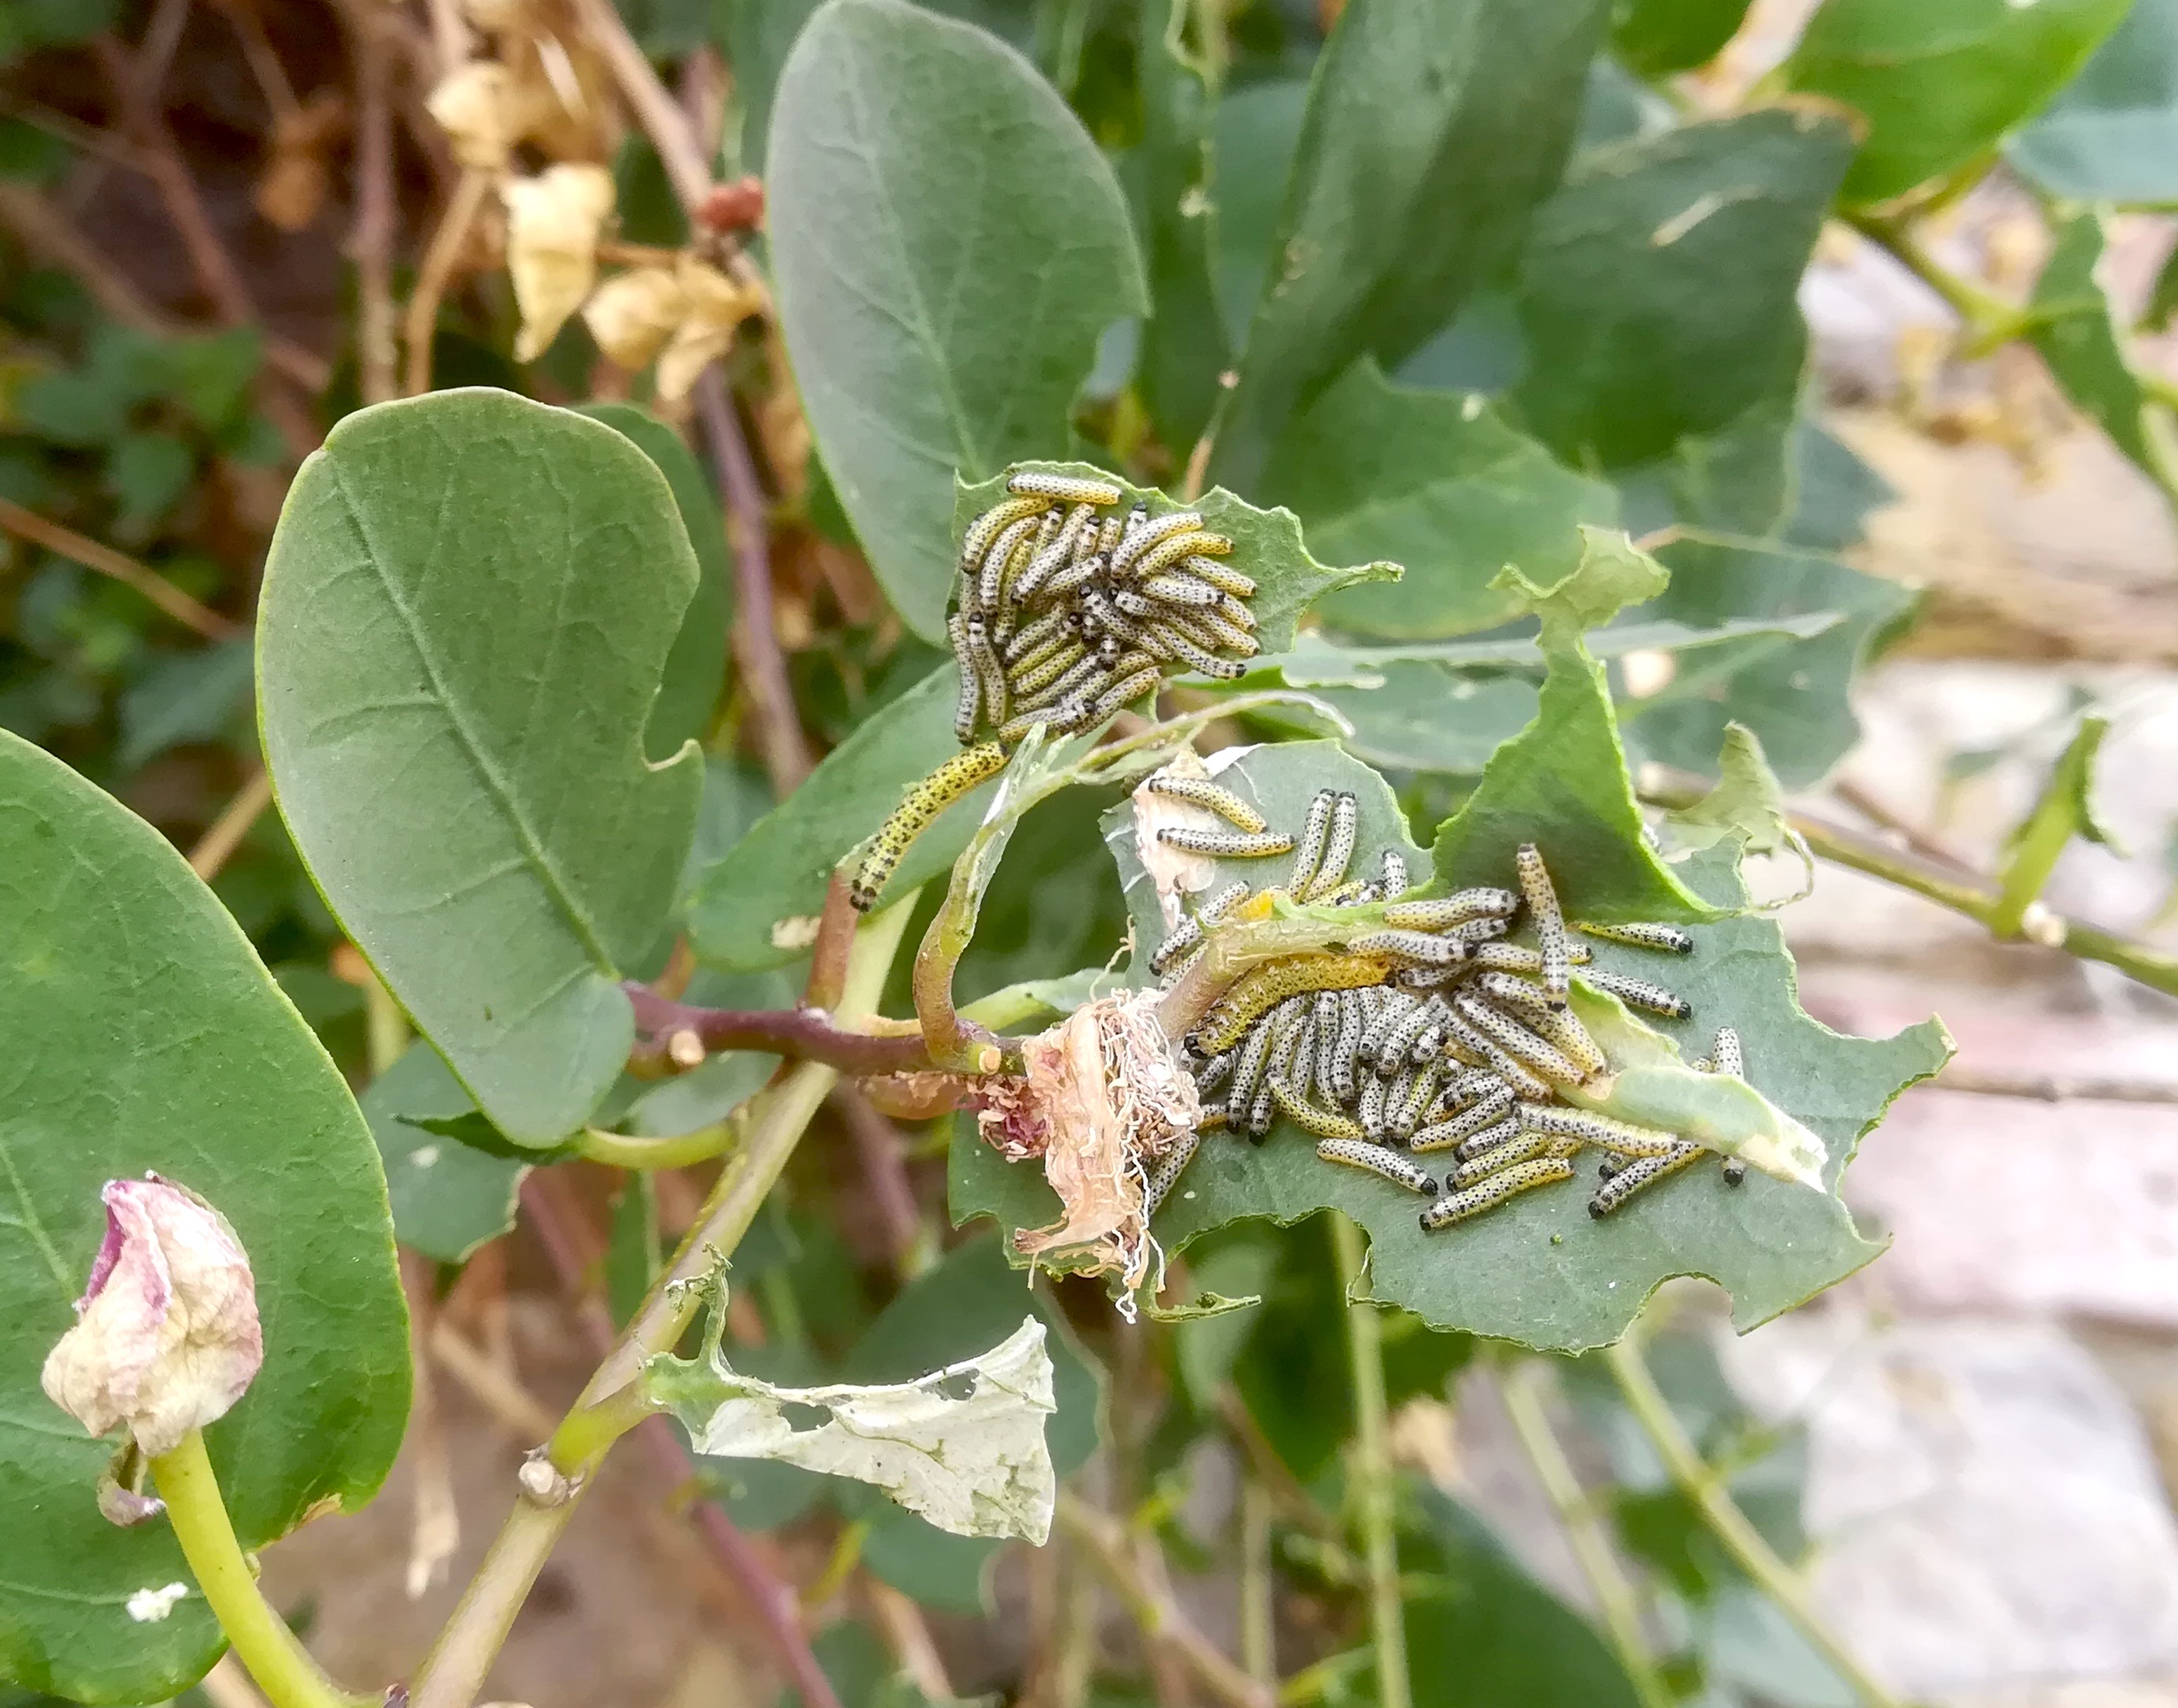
(963, 1446)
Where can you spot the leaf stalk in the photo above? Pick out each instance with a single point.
(1375, 1492)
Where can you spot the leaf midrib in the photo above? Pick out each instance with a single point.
(533, 851)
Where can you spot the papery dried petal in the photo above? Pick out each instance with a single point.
(553, 223)
(717, 305)
(631, 314)
(480, 108)
(166, 1337)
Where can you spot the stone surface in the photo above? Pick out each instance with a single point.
(1987, 1515)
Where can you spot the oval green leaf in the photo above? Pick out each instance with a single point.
(467, 609)
(144, 1034)
(942, 284)
(1942, 81)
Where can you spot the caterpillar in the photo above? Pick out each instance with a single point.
(1125, 692)
(1407, 1110)
(1064, 489)
(1261, 987)
(1509, 1183)
(1560, 1027)
(1200, 791)
(1391, 872)
(1641, 936)
(1053, 557)
(1213, 1073)
(1477, 1049)
(1370, 1107)
(1225, 845)
(1547, 1059)
(1031, 680)
(1643, 1172)
(1222, 577)
(1512, 957)
(1169, 1167)
(1501, 1156)
(929, 797)
(1725, 1057)
(988, 671)
(1325, 1124)
(991, 581)
(1173, 550)
(1622, 1138)
(975, 542)
(1048, 629)
(1139, 538)
(1248, 1063)
(968, 707)
(1550, 924)
(1399, 1042)
(1316, 830)
(1337, 848)
(1188, 933)
(1442, 912)
(1420, 948)
(1357, 1154)
(1351, 1021)
(1176, 587)
(1198, 657)
(1448, 1135)
(1639, 993)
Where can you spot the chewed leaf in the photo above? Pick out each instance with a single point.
(1266, 544)
(1652, 1085)
(963, 1446)
(1542, 1269)
(1563, 781)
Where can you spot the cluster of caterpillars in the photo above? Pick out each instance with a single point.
(1063, 615)
(1424, 1036)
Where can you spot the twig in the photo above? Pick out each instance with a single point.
(774, 1602)
(370, 239)
(755, 633)
(1970, 893)
(1912, 835)
(1729, 1525)
(216, 271)
(1989, 320)
(440, 255)
(909, 1635)
(878, 1152)
(1258, 1603)
(623, 1151)
(653, 105)
(225, 833)
(803, 1033)
(524, 1415)
(1521, 1382)
(1160, 1621)
(68, 543)
(2057, 1088)
(435, 1533)
(454, 1669)
(835, 936)
(1374, 1492)
(45, 231)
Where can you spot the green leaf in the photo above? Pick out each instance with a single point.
(28, 154)
(757, 907)
(1435, 481)
(941, 286)
(1184, 347)
(448, 1198)
(696, 668)
(212, 375)
(1433, 129)
(1657, 37)
(146, 472)
(1266, 545)
(1746, 805)
(1418, 716)
(934, 1567)
(466, 610)
(183, 697)
(633, 1254)
(1255, 136)
(1481, 1632)
(1540, 1270)
(2111, 135)
(2066, 810)
(1562, 783)
(143, 1033)
(1941, 82)
(1792, 693)
(1722, 215)
(2077, 335)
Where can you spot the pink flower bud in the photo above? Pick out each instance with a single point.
(166, 1337)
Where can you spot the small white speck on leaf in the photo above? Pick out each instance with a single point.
(796, 931)
(424, 1156)
(148, 1607)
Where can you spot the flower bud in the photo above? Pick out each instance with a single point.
(166, 1337)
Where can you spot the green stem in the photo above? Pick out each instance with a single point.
(1731, 1526)
(1989, 320)
(1521, 1383)
(454, 1671)
(1258, 1629)
(627, 1151)
(386, 1033)
(1968, 892)
(1374, 1491)
(276, 1658)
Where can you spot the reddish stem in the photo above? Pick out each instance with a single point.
(807, 1034)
